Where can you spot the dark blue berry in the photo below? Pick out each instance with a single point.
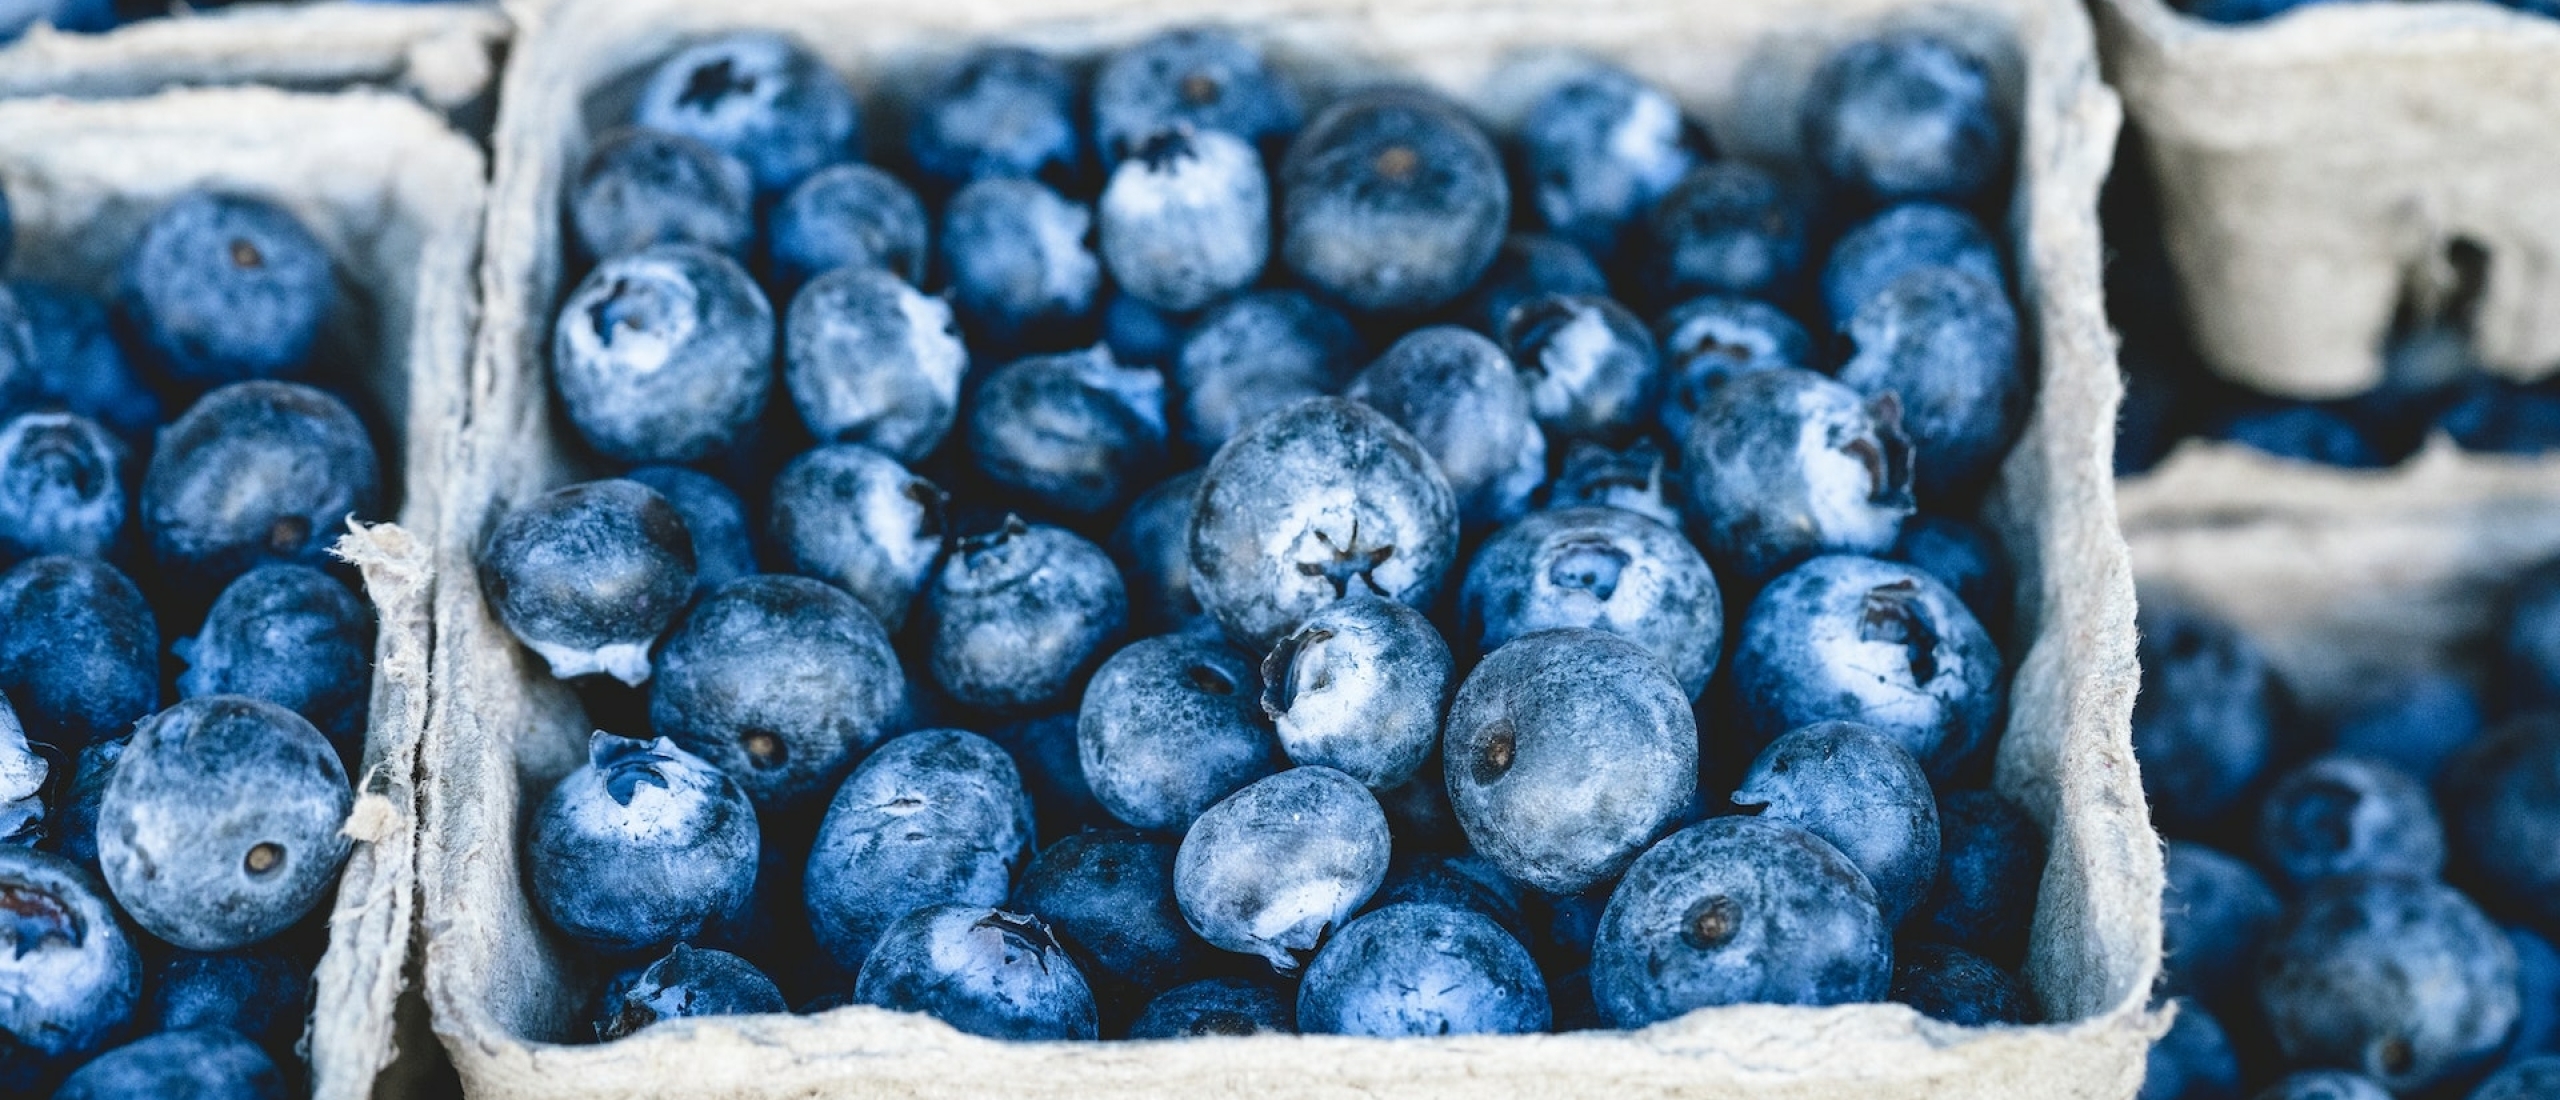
(646, 187)
(1153, 546)
(256, 472)
(1255, 356)
(2416, 722)
(1602, 568)
(1108, 895)
(1019, 261)
(1273, 869)
(263, 993)
(930, 817)
(2501, 799)
(206, 1063)
(1016, 617)
(984, 971)
(293, 636)
(761, 97)
(1990, 865)
(2214, 913)
(1529, 265)
(1138, 332)
(2304, 433)
(1906, 115)
(1962, 554)
(2325, 1084)
(1959, 987)
(644, 847)
(1423, 970)
(1862, 792)
(1076, 431)
(1204, 78)
(2398, 977)
(1709, 341)
(589, 575)
(225, 288)
(1169, 726)
(79, 650)
(2202, 721)
(1044, 751)
(1590, 366)
(847, 215)
(79, 364)
(2193, 1061)
(1945, 344)
(870, 359)
(2348, 815)
(1599, 150)
(715, 517)
(1359, 687)
(1467, 404)
(664, 355)
(1391, 201)
(1783, 465)
(850, 516)
(998, 111)
(1217, 1006)
(1728, 228)
(62, 487)
(687, 983)
(1902, 239)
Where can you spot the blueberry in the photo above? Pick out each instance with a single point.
(2531, 1079)
(1138, 332)
(293, 636)
(206, 1063)
(847, 215)
(221, 826)
(1589, 365)
(1728, 228)
(1016, 617)
(1945, 343)
(1359, 687)
(2529, 642)
(761, 97)
(224, 288)
(256, 472)
(1990, 865)
(1709, 341)
(1186, 218)
(998, 111)
(713, 515)
(1783, 465)
(2346, 815)
(1307, 502)
(783, 682)
(1391, 201)
(2414, 722)
(71, 980)
(1962, 554)
(1077, 431)
(2501, 797)
(1419, 970)
(870, 359)
(1019, 264)
(79, 651)
(1630, 479)
(1862, 792)
(1599, 150)
(1274, 868)
(2239, 11)
(1736, 910)
(72, 832)
(1044, 751)
(1168, 727)
(1906, 115)
(850, 516)
(644, 187)
(589, 576)
(23, 786)
(2202, 721)
(262, 993)
(1529, 265)
(1467, 405)
(79, 364)
(645, 846)
(984, 971)
(2500, 417)
(1108, 895)
(61, 487)
(1204, 78)
(1567, 752)
(664, 355)
(2214, 913)
(1959, 987)
(1153, 546)
(2537, 1030)
(2304, 433)
(1468, 882)
(1217, 1006)
(1255, 356)
(2193, 1061)
(931, 817)
(2399, 977)
(1879, 251)
(1601, 568)
(687, 983)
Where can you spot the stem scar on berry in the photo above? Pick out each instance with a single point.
(1501, 747)
(264, 858)
(1711, 923)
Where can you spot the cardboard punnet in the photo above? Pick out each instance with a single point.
(445, 54)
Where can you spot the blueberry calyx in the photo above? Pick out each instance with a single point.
(1892, 614)
(263, 858)
(1281, 671)
(1396, 163)
(288, 534)
(1347, 561)
(627, 762)
(245, 254)
(712, 83)
(978, 547)
(1021, 933)
(37, 919)
(1711, 922)
(1165, 149)
(1592, 564)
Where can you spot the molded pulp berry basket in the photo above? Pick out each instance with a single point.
(396, 197)
(445, 54)
(509, 999)
(2323, 167)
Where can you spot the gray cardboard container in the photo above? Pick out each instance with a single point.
(397, 198)
(2321, 168)
(509, 998)
(444, 54)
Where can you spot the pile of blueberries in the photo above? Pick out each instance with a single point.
(1245, 565)
(2251, 11)
(2365, 902)
(164, 873)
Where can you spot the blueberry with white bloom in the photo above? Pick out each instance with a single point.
(1153, 546)
(1360, 686)
(644, 187)
(984, 971)
(870, 359)
(22, 782)
(847, 215)
(1466, 403)
(1591, 366)
(1632, 479)
(713, 515)
(1419, 969)
(79, 650)
(664, 355)
(1906, 115)
(1897, 241)
(686, 983)
(644, 846)
(1186, 219)
(227, 288)
(205, 1063)
(852, 517)
(1709, 341)
(1274, 868)
(1016, 255)
(1529, 265)
(1862, 792)
(293, 636)
(1600, 149)
(764, 98)
(1169, 726)
(256, 472)
(1016, 617)
(1861, 640)
(1944, 343)
(62, 486)
(2349, 815)
(998, 112)
(1602, 568)
(1728, 228)
(933, 816)
(2398, 976)
(1391, 201)
(71, 978)
(1205, 78)
(1782, 465)
(1256, 355)
(589, 575)
(1076, 432)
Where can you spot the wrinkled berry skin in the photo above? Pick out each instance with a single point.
(589, 576)
(2203, 721)
(293, 636)
(2325, 1085)
(2530, 1079)
(1601, 149)
(1274, 868)
(1391, 201)
(780, 681)
(1959, 987)
(647, 187)
(713, 515)
(1590, 366)
(1153, 546)
(1529, 265)
(1016, 617)
(1421, 970)
(61, 487)
(1168, 727)
(1076, 432)
(1601, 568)
(1466, 403)
(1017, 261)
(850, 516)
(1360, 687)
(79, 364)
(1217, 1006)
(760, 97)
(1186, 219)
(1990, 865)
(1862, 640)
(1735, 910)
(72, 980)
(227, 288)
(1728, 228)
(984, 971)
(2214, 913)
(1567, 752)
(847, 215)
(664, 355)
(1204, 78)
(645, 847)
(1630, 480)
(931, 817)
(1709, 341)
(2501, 798)
(1256, 355)
(1871, 257)
(256, 472)
(2348, 815)
(2193, 1061)
(998, 111)
(1862, 792)
(79, 650)
(2399, 977)
(1308, 502)
(870, 359)
(1945, 343)
(686, 983)
(206, 1063)
(221, 825)
(1108, 895)
(263, 993)
(1783, 465)
(1905, 115)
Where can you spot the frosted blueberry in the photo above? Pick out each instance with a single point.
(713, 515)
(70, 979)
(293, 636)
(62, 487)
(204, 1063)
(22, 782)
(1391, 201)
(1168, 727)
(1880, 643)
(1359, 687)
(850, 516)
(1274, 868)
(1019, 266)
(256, 472)
(847, 215)
(1016, 617)
(1529, 265)
(997, 111)
(79, 650)
(686, 983)
(1862, 792)
(227, 288)
(783, 682)
(1709, 341)
(1631, 479)
(764, 98)
(1153, 546)
(643, 847)
(1186, 219)
(1898, 241)
(1600, 149)
(1905, 115)
(1217, 1006)
(644, 187)
(2349, 815)
(984, 971)
(870, 359)
(1421, 970)
(1590, 366)
(1728, 228)
(1466, 403)
(2399, 977)
(1077, 432)
(664, 355)
(1944, 343)
(1205, 78)
(1602, 568)
(1782, 465)
(1255, 356)
(931, 817)
(589, 575)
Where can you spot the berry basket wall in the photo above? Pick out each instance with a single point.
(444, 54)
(396, 197)
(507, 998)
(2324, 168)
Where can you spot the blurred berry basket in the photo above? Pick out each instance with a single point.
(395, 198)
(2341, 163)
(512, 994)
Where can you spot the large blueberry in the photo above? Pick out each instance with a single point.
(1077, 431)
(70, 979)
(1945, 343)
(871, 359)
(1153, 546)
(2193, 1061)
(761, 97)
(997, 111)
(1876, 642)
(1567, 752)
(224, 288)
(263, 993)
(222, 824)
(1108, 895)
(80, 364)
(1881, 250)
(723, 551)
(984, 971)
(1990, 865)
(1468, 406)
(1186, 219)
(1204, 78)
(589, 575)
(2214, 913)
(931, 817)
(852, 517)
(61, 487)
(644, 187)
(1168, 727)
(1360, 687)
(1391, 201)
(1016, 617)
(1861, 791)
(1904, 115)
(79, 650)
(1736, 910)
(1275, 868)
(293, 636)
(1729, 228)
(1018, 260)
(256, 472)
(1217, 1006)
(2399, 977)
(2202, 723)
(643, 847)
(205, 1063)
(1602, 568)
(1255, 356)
(2349, 815)
(1709, 341)
(1630, 479)
(1590, 366)
(1422, 970)
(1529, 265)
(1783, 465)
(664, 355)
(847, 215)
(686, 983)
(1959, 987)
(1599, 150)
